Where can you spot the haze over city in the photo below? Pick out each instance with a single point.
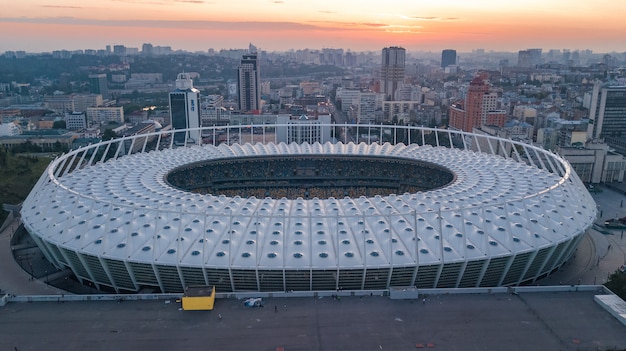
(275, 25)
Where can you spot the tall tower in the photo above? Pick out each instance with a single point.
(448, 58)
(185, 110)
(147, 49)
(474, 101)
(392, 70)
(249, 84)
(98, 84)
(607, 115)
(479, 107)
(529, 58)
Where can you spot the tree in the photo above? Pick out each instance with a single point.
(132, 107)
(3, 157)
(617, 284)
(59, 124)
(108, 134)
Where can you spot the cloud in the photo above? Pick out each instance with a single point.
(142, 2)
(239, 26)
(375, 25)
(61, 7)
(164, 2)
(322, 11)
(337, 25)
(351, 24)
(173, 24)
(278, 2)
(429, 18)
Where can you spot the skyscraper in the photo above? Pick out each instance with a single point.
(185, 110)
(392, 70)
(479, 107)
(147, 49)
(249, 84)
(98, 84)
(607, 115)
(529, 58)
(448, 58)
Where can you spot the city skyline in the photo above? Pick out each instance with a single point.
(278, 25)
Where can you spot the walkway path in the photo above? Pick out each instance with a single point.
(13, 279)
(599, 254)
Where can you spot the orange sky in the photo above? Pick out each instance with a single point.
(45, 25)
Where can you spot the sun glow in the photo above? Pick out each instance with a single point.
(280, 24)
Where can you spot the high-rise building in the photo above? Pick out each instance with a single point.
(607, 115)
(479, 107)
(249, 84)
(147, 49)
(119, 50)
(529, 58)
(448, 58)
(185, 110)
(392, 70)
(98, 84)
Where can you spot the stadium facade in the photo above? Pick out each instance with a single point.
(268, 216)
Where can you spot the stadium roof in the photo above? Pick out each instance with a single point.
(124, 209)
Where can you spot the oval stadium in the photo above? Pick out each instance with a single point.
(142, 214)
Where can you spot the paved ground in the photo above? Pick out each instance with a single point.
(13, 278)
(534, 321)
(599, 254)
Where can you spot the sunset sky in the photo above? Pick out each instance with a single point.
(197, 25)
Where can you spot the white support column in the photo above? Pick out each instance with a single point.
(132, 145)
(106, 151)
(70, 165)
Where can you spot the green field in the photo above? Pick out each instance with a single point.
(18, 175)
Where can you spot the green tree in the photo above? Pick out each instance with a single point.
(59, 124)
(617, 284)
(3, 157)
(108, 134)
(132, 107)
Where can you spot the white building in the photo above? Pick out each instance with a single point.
(59, 103)
(83, 102)
(303, 129)
(595, 162)
(75, 121)
(104, 115)
(398, 109)
(349, 98)
(213, 111)
(9, 129)
(368, 105)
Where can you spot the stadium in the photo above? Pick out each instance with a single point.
(441, 209)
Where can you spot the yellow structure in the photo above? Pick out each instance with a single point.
(198, 298)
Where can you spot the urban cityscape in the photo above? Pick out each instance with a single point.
(363, 180)
(556, 99)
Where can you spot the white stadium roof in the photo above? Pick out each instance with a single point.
(123, 209)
